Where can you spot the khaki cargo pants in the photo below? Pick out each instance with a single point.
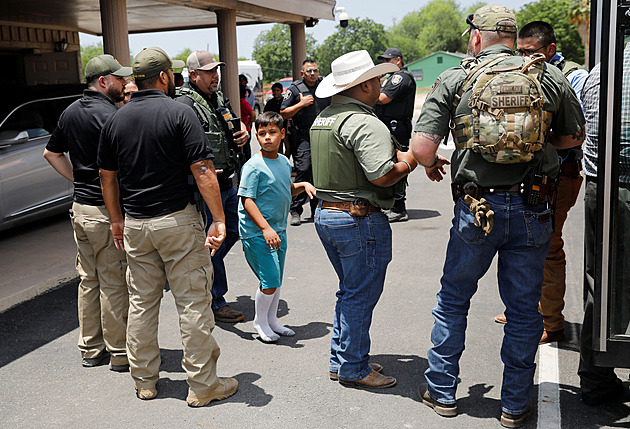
(170, 247)
(103, 295)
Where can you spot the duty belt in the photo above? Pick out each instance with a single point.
(475, 191)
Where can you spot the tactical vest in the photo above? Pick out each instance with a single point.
(335, 167)
(507, 123)
(305, 116)
(213, 124)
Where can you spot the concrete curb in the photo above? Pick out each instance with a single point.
(38, 289)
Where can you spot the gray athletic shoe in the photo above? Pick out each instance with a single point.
(295, 219)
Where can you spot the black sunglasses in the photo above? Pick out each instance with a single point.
(469, 21)
(528, 52)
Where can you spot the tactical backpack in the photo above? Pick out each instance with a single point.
(508, 123)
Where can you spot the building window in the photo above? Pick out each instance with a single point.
(439, 60)
(417, 74)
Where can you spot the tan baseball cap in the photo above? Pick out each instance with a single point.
(151, 61)
(202, 60)
(487, 18)
(102, 65)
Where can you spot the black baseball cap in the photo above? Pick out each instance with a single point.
(390, 53)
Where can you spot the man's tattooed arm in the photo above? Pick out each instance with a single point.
(567, 141)
(434, 138)
(204, 166)
(579, 135)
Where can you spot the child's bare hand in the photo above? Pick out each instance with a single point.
(272, 239)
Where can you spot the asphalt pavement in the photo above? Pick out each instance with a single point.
(286, 384)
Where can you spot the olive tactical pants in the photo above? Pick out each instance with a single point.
(170, 247)
(103, 295)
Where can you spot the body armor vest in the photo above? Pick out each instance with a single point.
(303, 118)
(335, 167)
(213, 124)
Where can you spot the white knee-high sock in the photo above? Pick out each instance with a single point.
(273, 319)
(261, 323)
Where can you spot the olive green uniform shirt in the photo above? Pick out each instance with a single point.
(468, 166)
(371, 142)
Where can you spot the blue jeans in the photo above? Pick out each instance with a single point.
(229, 199)
(521, 236)
(359, 248)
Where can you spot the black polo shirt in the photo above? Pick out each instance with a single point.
(151, 142)
(77, 133)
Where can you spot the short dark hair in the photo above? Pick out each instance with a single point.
(93, 82)
(308, 61)
(242, 77)
(269, 118)
(277, 85)
(540, 30)
(147, 83)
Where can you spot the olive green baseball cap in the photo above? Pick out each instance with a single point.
(487, 18)
(102, 65)
(151, 61)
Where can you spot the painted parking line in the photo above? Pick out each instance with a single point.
(548, 387)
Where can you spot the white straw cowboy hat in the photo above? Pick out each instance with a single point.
(349, 70)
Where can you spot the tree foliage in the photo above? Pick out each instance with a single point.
(272, 50)
(359, 34)
(88, 52)
(183, 55)
(438, 26)
(556, 13)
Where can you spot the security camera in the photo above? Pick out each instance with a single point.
(343, 16)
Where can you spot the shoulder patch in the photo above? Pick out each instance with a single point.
(396, 79)
(286, 95)
(435, 85)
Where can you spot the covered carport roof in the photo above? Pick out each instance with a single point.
(161, 15)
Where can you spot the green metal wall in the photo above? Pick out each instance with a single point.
(431, 68)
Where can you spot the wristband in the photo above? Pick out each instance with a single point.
(408, 166)
(435, 163)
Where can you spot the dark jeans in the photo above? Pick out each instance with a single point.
(229, 199)
(521, 237)
(359, 249)
(595, 381)
(301, 152)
